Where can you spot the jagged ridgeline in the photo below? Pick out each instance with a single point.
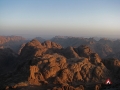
(103, 46)
(49, 66)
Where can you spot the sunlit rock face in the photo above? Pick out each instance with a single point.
(48, 65)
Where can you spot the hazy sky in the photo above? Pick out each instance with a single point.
(47, 18)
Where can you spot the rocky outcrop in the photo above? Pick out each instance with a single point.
(36, 49)
(49, 66)
(95, 59)
(83, 51)
(57, 70)
(69, 52)
(49, 44)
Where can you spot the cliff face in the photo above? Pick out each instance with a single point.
(48, 65)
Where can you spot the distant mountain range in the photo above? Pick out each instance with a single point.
(15, 42)
(104, 47)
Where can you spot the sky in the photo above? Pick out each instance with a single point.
(48, 18)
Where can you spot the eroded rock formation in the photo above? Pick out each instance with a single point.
(48, 65)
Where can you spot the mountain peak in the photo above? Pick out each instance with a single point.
(34, 43)
(50, 44)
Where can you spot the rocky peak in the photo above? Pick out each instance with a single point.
(32, 48)
(49, 44)
(94, 58)
(35, 48)
(34, 43)
(69, 52)
(84, 51)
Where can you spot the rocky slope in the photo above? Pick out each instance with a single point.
(7, 60)
(49, 66)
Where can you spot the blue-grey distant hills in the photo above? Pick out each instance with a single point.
(13, 42)
(103, 46)
(16, 43)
